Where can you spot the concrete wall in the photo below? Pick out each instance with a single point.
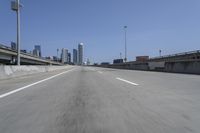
(143, 66)
(192, 67)
(132, 66)
(156, 65)
(16, 71)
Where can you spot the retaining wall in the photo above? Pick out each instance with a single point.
(190, 67)
(183, 67)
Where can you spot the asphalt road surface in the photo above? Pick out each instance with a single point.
(100, 100)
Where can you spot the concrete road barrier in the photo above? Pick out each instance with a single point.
(16, 71)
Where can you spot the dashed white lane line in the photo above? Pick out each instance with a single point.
(22, 88)
(127, 81)
(100, 72)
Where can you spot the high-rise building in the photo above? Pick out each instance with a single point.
(69, 58)
(13, 46)
(88, 62)
(75, 56)
(38, 49)
(55, 58)
(64, 55)
(80, 53)
(36, 52)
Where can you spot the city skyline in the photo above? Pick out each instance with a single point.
(64, 56)
(172, 26)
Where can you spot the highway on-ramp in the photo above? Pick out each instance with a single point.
(100, 100)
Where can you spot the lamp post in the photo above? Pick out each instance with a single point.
(125, 59)
(15, 5)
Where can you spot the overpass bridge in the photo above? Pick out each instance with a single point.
(185, 56)
(9, 56)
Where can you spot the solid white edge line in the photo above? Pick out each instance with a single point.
(127, 81)
(22, 88)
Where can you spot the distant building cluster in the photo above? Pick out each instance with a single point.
(77, 55)
(65, 56)
(36, 51)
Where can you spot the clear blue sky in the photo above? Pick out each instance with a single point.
(170, 25)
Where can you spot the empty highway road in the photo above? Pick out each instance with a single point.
(100, 100)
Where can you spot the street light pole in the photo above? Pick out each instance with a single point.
(125, 59)
(18, 33)
(15, 6)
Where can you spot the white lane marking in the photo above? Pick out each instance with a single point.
(100, 72)
(22, 88)
(127, 81)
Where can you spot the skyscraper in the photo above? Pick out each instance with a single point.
(69, 58)
(75, 56)
(13, 46)
(88, 62)
(38, 50)
(64, 55)
(80, 53)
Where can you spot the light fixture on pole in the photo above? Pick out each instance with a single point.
(15, 6)
(125, 59)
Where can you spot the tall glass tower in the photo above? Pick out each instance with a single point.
(38, 48)
(64, 55)
(80, 53)
(75, 56)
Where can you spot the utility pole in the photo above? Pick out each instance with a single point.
(125, 59)
(15, 5)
